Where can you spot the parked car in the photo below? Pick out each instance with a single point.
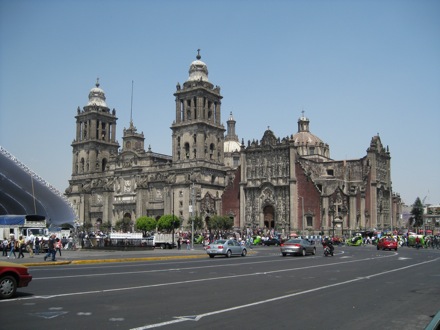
(297, 246)
(226, 247)
(12, 276)
(271, 241)
(387, 243)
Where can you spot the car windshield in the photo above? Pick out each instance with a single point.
(220, 241)
(294, 241)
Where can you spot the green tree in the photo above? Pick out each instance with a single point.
(106, 226)
(167, 222)
(124, 225)
(146, 224)
(417, 213)
(217, 222)
(198, 223)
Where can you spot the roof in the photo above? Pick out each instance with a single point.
(12, 220)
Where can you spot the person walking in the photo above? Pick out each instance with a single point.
(58, 246)
(5, 247)
(30, 245)
(37, 245)
(21, 245)
(51, 248)
(11, 246)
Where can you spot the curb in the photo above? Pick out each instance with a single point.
(96, 261)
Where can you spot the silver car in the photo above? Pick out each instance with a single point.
(226, 247)
(297, 246)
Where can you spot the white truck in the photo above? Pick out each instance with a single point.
(22, 225)
(163, 241)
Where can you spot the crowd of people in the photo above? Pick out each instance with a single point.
(14, 248)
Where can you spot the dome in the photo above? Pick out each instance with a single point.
(231, 146)
(304, 136)
(198, 70)
(97, 96)
(308, 144)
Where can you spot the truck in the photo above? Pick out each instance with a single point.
(22, 225)
(163, 241)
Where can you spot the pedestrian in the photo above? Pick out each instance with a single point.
(187, 244)
(51, 248)
(178, 243)
(11, 245)
(58, 246)
(21, 245)
(30, 245)
(5, 247)
(37, 243)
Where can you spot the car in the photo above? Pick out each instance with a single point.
(387, 243)
(271, 241)
(226, 247)
(12, 276)
(297, 246)
(355, 241)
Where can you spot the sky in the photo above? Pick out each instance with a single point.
(356, 69)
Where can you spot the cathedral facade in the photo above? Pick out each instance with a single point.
(288, 184)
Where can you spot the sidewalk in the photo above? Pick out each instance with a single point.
(84, 256)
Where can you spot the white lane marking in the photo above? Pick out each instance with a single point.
(196, 268)
(186, 282)
(198, 317)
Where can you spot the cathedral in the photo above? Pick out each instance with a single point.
(286, 184)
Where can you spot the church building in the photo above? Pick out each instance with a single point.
(286, 185)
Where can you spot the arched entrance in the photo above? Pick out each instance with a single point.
(269, 216)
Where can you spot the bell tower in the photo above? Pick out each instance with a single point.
(95, 140)
(198, 135)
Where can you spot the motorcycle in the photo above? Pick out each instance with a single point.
(327, 251)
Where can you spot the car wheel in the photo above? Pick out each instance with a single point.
(314, 251)
(211, 256)
(243, 253)
(228, 254)
(8, 287)
(284, 254)
(303, 252)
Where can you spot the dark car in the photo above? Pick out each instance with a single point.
(271, 241)
(297, 246)
(12, 276)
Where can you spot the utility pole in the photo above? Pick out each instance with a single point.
(191, 209)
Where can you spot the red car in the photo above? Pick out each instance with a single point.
(387, 243)
(12, 276)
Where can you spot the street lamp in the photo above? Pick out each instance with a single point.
(302, 214)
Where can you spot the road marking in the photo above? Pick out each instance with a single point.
(184, 282)
(198, 317)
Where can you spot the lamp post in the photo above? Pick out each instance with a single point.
(172, 246)
(192, 216)
(302, 214)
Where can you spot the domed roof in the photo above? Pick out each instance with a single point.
(198, 69)
(304, 136)
(231, 146)
(97, 96)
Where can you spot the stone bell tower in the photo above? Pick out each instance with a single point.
(95, 140)
(198, 134)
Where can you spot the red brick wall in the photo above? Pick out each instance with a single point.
(312, 198)
(231, 199)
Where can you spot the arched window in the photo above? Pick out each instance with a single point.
(104, 164)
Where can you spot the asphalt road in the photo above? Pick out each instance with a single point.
(358, 288)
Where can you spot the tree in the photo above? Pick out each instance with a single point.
(124, 224)
(146, 224)
(417, 213)
(220, 223)
(198, 223)
(167, 222)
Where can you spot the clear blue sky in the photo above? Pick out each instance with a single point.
(357, 68)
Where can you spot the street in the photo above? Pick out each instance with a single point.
(359, 287)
